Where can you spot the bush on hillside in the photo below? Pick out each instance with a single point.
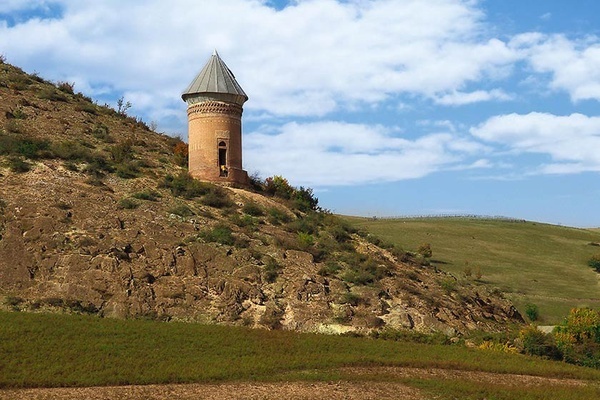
(219, 234)
(251, 208)
(183, 185)
(578, 337)
(181, 152)
(425, 250)
(532, 312)
(537, 343)
(148, 195)
(217, 198)
(594, 262)
(301, 198)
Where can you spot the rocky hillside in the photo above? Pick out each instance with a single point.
(98, 215)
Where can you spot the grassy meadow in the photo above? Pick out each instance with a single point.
(533, 263)
(52, 350)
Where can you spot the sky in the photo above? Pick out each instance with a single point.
(383, 107)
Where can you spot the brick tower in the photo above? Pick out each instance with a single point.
(215, 101)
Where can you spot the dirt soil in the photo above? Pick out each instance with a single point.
(364, 389)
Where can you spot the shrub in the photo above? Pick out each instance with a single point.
(277, 216)
(12, 126)
(305, 240)
(410, 336)
(425, 250)
(101, 132)
(122, 152)
(256, 182)
(50, 93)
(467, 271)
(594, 262)
(219, 234)
(128, 204)
(308, 224)
(18, 165)
(304, 199)
(128, 170)
(330, 268)
(123, 106)
(279, 186)
(182, 210)
(183, 185)
(87, 108)
(97, 166)
(251, 208)
(448, 285)
(217, 198)
(272, 269)
(66, 87)
(14, 302)
(243, 221)
(69, 150)
(148, 195)
(339, 233)
(18, 113)
(537, 343)
(358, 276)
(532, 312)
(350, 298)
(181, 152)
(578, 337)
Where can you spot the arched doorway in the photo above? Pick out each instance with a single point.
(223, 159)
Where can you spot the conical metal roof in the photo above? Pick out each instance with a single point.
(215, 81)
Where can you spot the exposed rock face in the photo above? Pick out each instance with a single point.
(64, 239)
(69, 240)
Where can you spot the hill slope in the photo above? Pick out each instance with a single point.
(533, 263)
(99, 216)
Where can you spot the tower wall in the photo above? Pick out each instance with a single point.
(215, 142)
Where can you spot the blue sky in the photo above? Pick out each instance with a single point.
(384, 107)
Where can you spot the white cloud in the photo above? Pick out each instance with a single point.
(334, 153)
(572, 141)
(461, 98)
(309, 59)
(574, 65)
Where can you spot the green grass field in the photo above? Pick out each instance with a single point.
(535, 263)
(51, 350)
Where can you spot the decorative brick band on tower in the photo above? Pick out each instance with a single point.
(215, 101)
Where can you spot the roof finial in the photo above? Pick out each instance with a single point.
(215, 53)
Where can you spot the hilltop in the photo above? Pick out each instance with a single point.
(99, 216)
